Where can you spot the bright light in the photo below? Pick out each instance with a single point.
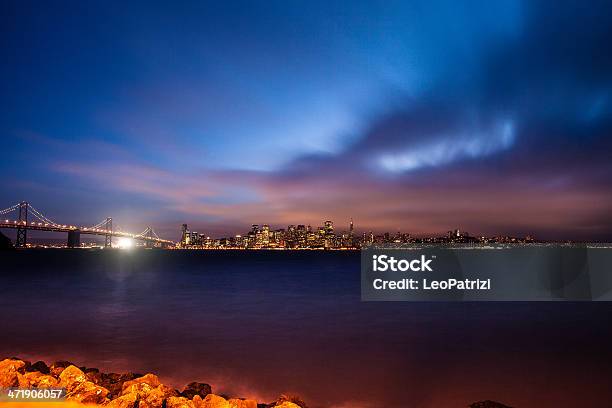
(125, 243)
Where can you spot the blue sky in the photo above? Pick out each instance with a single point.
(231, 113)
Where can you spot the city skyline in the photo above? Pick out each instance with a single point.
(24, 219)
(491, 117)
(328, 236)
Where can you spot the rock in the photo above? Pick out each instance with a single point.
(36, 379)
(196, 388)
(142, 384)
(60, 363)
(56, 368)
(39, 366)
(148, 390)
(488, 404)
(88, 393)
(156, 397)
(9, 372)
(179, 402)
(213, 401)
(71, 377)
(126, 401)
(95, 377)
(90, 386)
(292, 399)
(286, 404)
(113, 382)
(79, 388)
(123, 377)
(242, 403)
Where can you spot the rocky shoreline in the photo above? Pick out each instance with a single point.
(126, 390)
(89, 386)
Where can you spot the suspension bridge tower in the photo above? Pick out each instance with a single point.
(149, 238)
(108, 237)
(22, 230)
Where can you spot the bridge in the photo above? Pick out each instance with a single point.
(39, 222)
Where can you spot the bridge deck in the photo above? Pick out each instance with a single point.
(39, 226)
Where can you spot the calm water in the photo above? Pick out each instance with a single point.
(257, 324)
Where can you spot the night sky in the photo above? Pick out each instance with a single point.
(491, 117)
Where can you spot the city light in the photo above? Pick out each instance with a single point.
(327, 236)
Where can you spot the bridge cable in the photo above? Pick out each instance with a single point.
(41, 216)
(10, 209)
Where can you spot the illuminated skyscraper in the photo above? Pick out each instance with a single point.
(185, 235)
(265, 234)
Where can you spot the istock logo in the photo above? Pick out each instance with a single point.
(383, 263)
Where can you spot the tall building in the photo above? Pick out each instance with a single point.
(265, 234)
(195, 238)
(185, 235)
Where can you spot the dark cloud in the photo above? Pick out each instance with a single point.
(523, 147)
